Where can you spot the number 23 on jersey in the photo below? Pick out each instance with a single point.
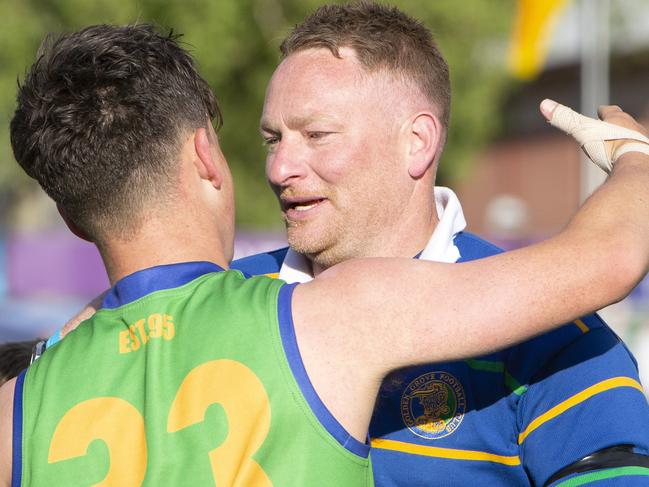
(121, 427)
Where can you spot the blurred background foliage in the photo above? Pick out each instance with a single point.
(236, 45)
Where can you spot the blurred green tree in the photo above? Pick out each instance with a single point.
(236, 45)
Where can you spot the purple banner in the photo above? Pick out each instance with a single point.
(55, 263)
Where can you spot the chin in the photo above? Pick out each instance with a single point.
(319, 254)
(302, 245)
(306, 243)
(320, 246)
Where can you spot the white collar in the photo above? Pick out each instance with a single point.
(440, 247)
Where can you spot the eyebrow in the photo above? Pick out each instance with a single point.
(266, 126)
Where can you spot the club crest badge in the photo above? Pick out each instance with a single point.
(433, 405)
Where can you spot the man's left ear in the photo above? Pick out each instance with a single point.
(425, 143)
(205, 161)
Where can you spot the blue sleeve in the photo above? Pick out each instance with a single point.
(586, 397)
(17, 433)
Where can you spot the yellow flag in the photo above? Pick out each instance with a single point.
(532, 28)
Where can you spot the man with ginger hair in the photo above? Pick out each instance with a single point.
(355, 119)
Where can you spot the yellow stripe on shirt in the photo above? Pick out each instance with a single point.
(580, 397)
(433, 451)
(582, 326)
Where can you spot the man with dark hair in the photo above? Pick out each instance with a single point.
(14, 357)
(355, 119)
(292, 369)
(103, 144)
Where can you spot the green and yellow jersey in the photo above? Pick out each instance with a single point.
(188, 375)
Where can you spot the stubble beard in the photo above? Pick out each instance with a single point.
(320, 245)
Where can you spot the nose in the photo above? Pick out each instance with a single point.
(285, 163)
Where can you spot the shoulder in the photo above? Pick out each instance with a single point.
(581, 362)
(585, 341)
(583, 393)
(472, 247)
(263, 263)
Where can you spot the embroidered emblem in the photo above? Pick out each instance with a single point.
(433, 405)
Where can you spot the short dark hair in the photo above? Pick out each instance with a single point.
(99, 121)
(382, 37)
(14, 357)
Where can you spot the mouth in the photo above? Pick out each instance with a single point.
(296, 208)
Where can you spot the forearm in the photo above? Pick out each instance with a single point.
(478, 307)
(617, 211)
(614, 223)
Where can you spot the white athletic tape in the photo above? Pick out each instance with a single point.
(591, 135)
(630, 147)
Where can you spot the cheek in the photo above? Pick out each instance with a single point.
(342, 164)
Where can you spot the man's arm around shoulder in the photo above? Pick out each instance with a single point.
(6, 431)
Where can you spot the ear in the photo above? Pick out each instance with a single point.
(205, 160)
(425, 143)
(72, 226)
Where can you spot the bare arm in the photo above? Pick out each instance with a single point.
(363, 318)
(6, 426)
(87, 312)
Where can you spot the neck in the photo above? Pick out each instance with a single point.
(156, 244)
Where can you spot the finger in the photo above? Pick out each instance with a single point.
(547, 108)
(568, 120)
(613, 114)
(607, 110)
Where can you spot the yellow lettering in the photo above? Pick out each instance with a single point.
(169, 329)
(139, 324)
(155, 325)
(135, 341)
(123, 342)
(139, 333)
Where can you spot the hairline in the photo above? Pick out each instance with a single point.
(384, 69)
